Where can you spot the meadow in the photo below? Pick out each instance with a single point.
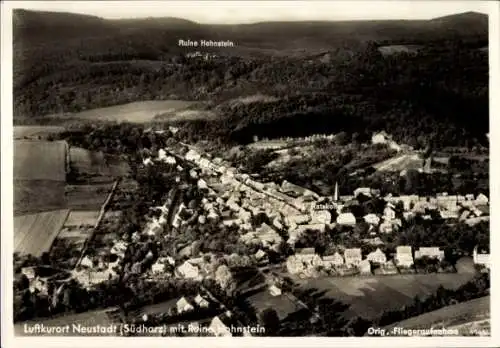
(23, 132)
(40, 160)
(283, 305)
(97, 163)
(137, 112)
(370, 296)
(33, 196)
(87, 197)
(35, 233)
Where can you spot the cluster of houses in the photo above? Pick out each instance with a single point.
(218, 326)
(236, 200)
(295, 209)
(306, 263)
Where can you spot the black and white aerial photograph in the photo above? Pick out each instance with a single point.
(248, 169)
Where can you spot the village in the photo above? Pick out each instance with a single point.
(269, 226)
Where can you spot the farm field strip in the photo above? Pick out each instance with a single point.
(34, 196)
(34, 131)
(35, 233)
(80, 218)
(87, 197)
(49, 158)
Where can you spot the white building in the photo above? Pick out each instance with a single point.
(363, 190)
(201, 301)
(119, 248)
(147, 161)
(218, 328)
(189, 271)
(334, 260)
(386, 227)
(29, 272)
(431, 252)
(297, 219)
(380, 138)
(372, 219)
(481, 257)
(170, 160)
(183, 305)
(259, 255)
(352, 256)
(321, 217)
(389, 213)
(158, 268)
(87, 262)
(377, 256)
(346, 219)
(274, 290)
(365, 267)
(481, 199)
(192, 156)
(404, 256)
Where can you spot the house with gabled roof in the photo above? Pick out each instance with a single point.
(189, 271)
(352, 256)
(201, 301)
(334, 260)
(183, 305)
(218, 328)
(377, 256)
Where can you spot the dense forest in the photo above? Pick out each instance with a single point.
(323, 76)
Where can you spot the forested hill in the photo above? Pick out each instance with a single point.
(338, 72)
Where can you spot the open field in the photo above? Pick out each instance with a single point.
(21, 132)
(87, 197)
(81, 218)
(282, 304)
(458, 315)
(35, 233)
(400, 162)
(40, 160)
(85, 161)
(68, 245)
(33, 196)
(370, 296)
(75, 233)
(185, 115)
(268, 144)
(97, 163)
(396, 49)
(138, 112)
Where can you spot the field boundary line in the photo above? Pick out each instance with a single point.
(99, 219)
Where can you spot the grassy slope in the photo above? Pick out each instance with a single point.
(462, 313)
